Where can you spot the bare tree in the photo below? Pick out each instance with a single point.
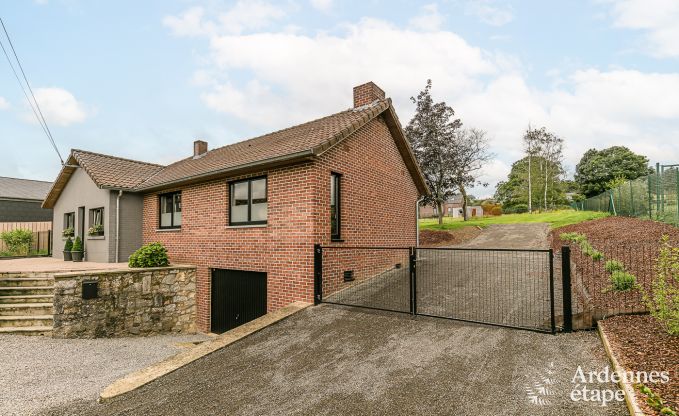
(431, 133)
(551, 151)
(470, 154)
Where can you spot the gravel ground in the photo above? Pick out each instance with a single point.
(331, 360)
(40, 372)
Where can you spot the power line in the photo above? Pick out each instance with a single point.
(38, 114)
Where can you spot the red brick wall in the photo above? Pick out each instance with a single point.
(374, 177)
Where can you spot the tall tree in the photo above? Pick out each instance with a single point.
(599, 167)
(531, 143)
(512, 194)
(470, 154)
(551, 151)
(431, 133)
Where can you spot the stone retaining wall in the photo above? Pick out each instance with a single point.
(130, 302)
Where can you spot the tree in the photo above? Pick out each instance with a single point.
(512, 192)
(548, 148)
(531, 143)
(470, 154)
(597, 168)
(431, 133)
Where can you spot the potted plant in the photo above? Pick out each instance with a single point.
(77, 249)
(96, 230)
(68, 232)
(68, 246)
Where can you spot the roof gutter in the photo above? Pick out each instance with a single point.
(258, 165)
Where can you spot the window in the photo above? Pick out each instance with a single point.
(171, 210)
(335, 199)
(69, 220)
(248, 203)
(96, 222)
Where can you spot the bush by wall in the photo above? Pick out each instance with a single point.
(18, 241)
(150, 255)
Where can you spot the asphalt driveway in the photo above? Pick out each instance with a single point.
(333, 360)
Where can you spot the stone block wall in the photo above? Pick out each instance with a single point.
(130, 302)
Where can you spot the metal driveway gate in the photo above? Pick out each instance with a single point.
(511, 288)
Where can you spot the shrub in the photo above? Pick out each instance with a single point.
(516, 209)
(68, 245)
(574, 237)
(150, 255)
(18, 241)
(663, 299)
(496, 211)
(623, 281)
(614, 266)
(77, 244)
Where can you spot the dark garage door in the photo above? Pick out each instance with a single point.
(237, 297)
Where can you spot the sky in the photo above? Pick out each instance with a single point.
(145, 79)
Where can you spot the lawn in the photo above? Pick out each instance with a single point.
(555, 219)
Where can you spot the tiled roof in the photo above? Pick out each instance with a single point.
(15, 188)
(311, 137)
(114, 172)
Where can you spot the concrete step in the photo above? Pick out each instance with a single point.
(26, 330)
(25, 309)
(26, 299)
(26, 281)
(24, 321)
(22, 275)
(26, 290)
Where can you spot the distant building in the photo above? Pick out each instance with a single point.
(21, 200)
(451, 208)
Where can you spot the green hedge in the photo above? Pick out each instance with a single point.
(18, 241)
(150, 255)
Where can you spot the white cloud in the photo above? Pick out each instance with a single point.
(275, 79)
(428, 20)
(244, 15)
(322, 5)
(4, 104)
(58, 106)
(489, 12)
(658, 18)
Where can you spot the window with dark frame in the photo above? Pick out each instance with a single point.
(335, 210)
(170, 210)
(248, 202)
(69, 220)
(96, 222)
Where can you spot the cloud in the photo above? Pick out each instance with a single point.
(657, 18)
(322, 5)
(489, 12)
(428, 20)
(4, 104)
(275, 79)
(243, 16)
(58, 106)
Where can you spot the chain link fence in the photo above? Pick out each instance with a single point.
(654, 196)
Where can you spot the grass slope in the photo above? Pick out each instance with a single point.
(555, 219)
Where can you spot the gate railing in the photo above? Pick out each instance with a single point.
(501, 287)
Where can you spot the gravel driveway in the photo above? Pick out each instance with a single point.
(39, 372)
(332, 360)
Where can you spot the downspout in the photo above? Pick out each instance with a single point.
(120, 193)
(417, 221)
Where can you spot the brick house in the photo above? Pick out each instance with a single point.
(252, 211)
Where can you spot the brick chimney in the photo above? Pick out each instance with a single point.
(367, 93)
(199, 148)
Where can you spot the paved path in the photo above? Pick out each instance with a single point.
(331, 360)
(530, 235)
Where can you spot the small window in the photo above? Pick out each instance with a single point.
(335, 212)
(96, 222)
(69, 220)
(248, 203)
(171, 210)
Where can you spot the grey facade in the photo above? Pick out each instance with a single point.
(80, 196)
(21, 200)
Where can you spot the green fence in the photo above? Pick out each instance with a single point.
(655, 196)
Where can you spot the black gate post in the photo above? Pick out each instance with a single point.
(551, 290)
(566, 289)
(318, 274)
(413, 280)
